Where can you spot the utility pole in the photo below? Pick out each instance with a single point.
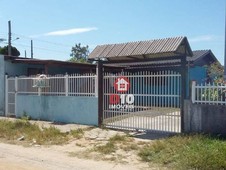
(31, 48)
(9, 39)
(225, 46)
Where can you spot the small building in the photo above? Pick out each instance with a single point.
(19, 66)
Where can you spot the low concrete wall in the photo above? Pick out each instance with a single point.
(204, 118)
(81, 110)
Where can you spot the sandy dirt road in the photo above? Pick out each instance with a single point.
(16, 157)
(72, 155)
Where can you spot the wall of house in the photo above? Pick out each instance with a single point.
(62, 70)
(204, 118)
(2, 86)
(81, 110)
(197, 74)
(167, 95)
(18, 69)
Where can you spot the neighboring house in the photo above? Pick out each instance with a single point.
(198, 63)
(18, 66)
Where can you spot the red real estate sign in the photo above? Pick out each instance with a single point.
(122, 84)
(121, 101)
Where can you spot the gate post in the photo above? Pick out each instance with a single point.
(193, 91)
(100, 92)
(66, 84)
(16, 91)
(183, 88)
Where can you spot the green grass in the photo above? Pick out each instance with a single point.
(118, 138)
(78, 133)
(187, 152)
(116, 142)
(12, 130)
(108, 148)
(51, 136)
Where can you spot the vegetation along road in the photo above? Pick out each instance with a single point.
(35, 145)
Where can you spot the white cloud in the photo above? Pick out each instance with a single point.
(70, 31)
(202, 38)
(66, 32)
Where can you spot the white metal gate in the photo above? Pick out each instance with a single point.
(10, 96)
(142, 101)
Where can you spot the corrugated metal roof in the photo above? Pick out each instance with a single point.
(172, 44)
(199, 54)
(100, 49)
(115, 51)
(152, 48)
(141, 48)
(129, 48)
(106, 50)
(147, 63)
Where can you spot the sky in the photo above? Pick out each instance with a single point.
(55, 26)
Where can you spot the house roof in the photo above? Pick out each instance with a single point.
(199, 58)
(166, 47)
(202, 57)
(49, 62)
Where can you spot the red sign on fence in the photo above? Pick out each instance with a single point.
(122, 84)
(121, 101)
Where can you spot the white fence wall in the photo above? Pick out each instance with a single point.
(208, 94)
(59, 85)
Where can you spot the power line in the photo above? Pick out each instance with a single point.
(37, 48)
(40, 40)
(3, 33)
(40, 48)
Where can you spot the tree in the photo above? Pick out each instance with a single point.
(14, 51)
(215, 72)
(79, 53)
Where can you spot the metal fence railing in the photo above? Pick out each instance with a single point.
(209, 93)
(144, 100)
(58, 85)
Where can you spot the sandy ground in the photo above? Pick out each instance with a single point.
(14, 157)
(73, 155)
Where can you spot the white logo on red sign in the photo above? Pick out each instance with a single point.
(121, 101)
(122, 84)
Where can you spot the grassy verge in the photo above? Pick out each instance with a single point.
(177, 152)
(187, 152)
(30, 133)
(116, 142)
